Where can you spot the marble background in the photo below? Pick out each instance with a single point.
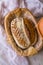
(7, 55)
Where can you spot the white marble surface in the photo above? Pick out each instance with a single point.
(7, 55)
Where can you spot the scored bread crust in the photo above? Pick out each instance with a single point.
(7, 23)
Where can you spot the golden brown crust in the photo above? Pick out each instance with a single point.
(40, 26)
(7, 23)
